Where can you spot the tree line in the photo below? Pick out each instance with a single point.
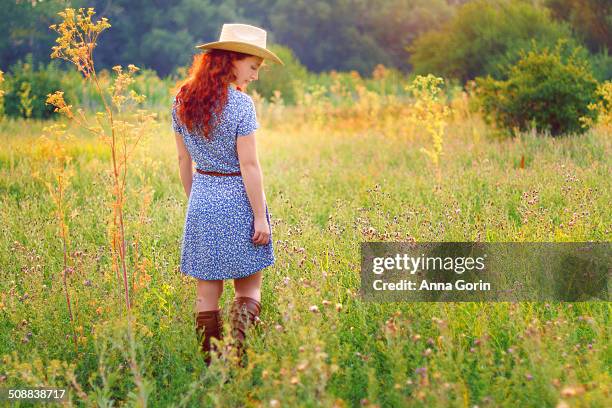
(449, 37)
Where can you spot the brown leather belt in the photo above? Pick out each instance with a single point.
(214, 173)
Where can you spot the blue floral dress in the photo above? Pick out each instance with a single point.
(217, 239)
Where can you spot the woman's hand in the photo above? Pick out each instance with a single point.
(262, 231)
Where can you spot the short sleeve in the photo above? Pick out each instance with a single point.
(248, 124)
(175, 120)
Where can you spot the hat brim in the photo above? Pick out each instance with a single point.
(243, 48)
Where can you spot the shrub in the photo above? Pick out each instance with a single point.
(603, 107)
(602, 65)
(155, 88)
(282, 78)
(27, 89)
(549, 90)
(1, 96)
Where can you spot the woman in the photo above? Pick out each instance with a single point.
(227, 231)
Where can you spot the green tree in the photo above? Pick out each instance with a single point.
(25, 30)
(160, 35)
(591, 20)
(353, 34)
(396, 24)
(483, 38)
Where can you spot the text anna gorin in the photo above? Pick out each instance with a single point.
(425, 285)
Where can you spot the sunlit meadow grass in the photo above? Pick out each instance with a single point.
(331, 183)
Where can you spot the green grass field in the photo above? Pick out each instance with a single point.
(330, 184)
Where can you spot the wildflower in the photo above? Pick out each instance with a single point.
(390, 325)
(571, 391)
(437, 320)
(338, 307)
(1, 80)
(57, 100)
(77, 38)
(314, 309)
(364, 357)
(431, 110)
(422, 371)
(274, 403)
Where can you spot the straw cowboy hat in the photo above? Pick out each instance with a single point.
(243, 38)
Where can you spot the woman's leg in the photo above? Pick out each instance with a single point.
(249, 286)
(209, 324)
(245, 309)
(208, 294)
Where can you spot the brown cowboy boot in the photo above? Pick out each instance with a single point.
(244, 313)
(209, 324)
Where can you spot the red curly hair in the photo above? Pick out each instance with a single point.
(203, 94)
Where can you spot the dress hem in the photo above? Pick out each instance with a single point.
(243, 275)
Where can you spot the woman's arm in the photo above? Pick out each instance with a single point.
(185, 164)
(253, 184)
